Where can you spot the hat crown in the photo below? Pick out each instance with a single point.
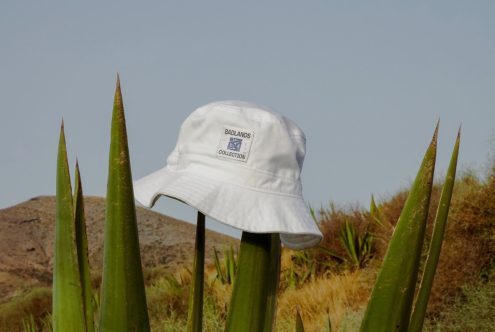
(236, 134)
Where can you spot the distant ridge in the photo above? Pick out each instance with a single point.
(27, 235)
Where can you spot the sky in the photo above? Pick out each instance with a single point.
(366, 81)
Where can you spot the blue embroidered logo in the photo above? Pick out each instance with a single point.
(234, 144)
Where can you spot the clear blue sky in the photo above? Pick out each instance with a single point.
(366, 81)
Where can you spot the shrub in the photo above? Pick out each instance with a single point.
(471, 310)
(36, 303)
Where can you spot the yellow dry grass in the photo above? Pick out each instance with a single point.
(339, 294)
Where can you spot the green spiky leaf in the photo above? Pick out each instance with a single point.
(227, 262)
(273, 270)
(419, 312)
(299, 322)
(82, 252)
(218, 267)
(350, 242)
(68, 307)
(195, 313)
(123, 300)
(254, 284)
(390, 304)
(375, 212)
(329, 322)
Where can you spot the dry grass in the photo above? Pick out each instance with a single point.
(469, 245)
(338, 296)
(37, 302)
(473, 309)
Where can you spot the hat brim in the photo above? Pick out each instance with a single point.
(244, 208)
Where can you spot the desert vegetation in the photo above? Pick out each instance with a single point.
(371, 260)
(462, 298)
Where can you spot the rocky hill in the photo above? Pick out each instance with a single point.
(27, 235)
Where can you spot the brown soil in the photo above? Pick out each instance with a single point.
(27, 235)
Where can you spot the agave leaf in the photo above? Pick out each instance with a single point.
(348, 240)
(82, 252)
(353, 241)
(68, 307)
(329, 322)
(331, 253)
(274, 270)
(29, 324)
(390, 304)
(292, 278)
(195, 312)
(299, 322)
(313, 214)
(227, 265)
(419, 312)
(123, 300)
(375, 212)
(307, 273)
(365, 248)
(253, 286)
(218, 267)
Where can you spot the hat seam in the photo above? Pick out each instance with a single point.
(264, 190)
(233, 162)
(242, 186)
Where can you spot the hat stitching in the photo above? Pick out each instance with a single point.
(245, 166)
(246, 187)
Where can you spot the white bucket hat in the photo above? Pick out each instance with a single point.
(240, 164)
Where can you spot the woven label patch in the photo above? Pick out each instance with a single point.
(235, 143)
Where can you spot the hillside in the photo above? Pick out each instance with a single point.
(27, 234)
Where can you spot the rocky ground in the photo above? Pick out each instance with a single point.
(27, 235)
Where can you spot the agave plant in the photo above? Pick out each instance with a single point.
(72, 306)
(82, 252)
(419, 312)
(123, 299)
(376, 215)
(303, 268)
(227, 267)
(389, 308)
(253, 302)
(357, 247)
